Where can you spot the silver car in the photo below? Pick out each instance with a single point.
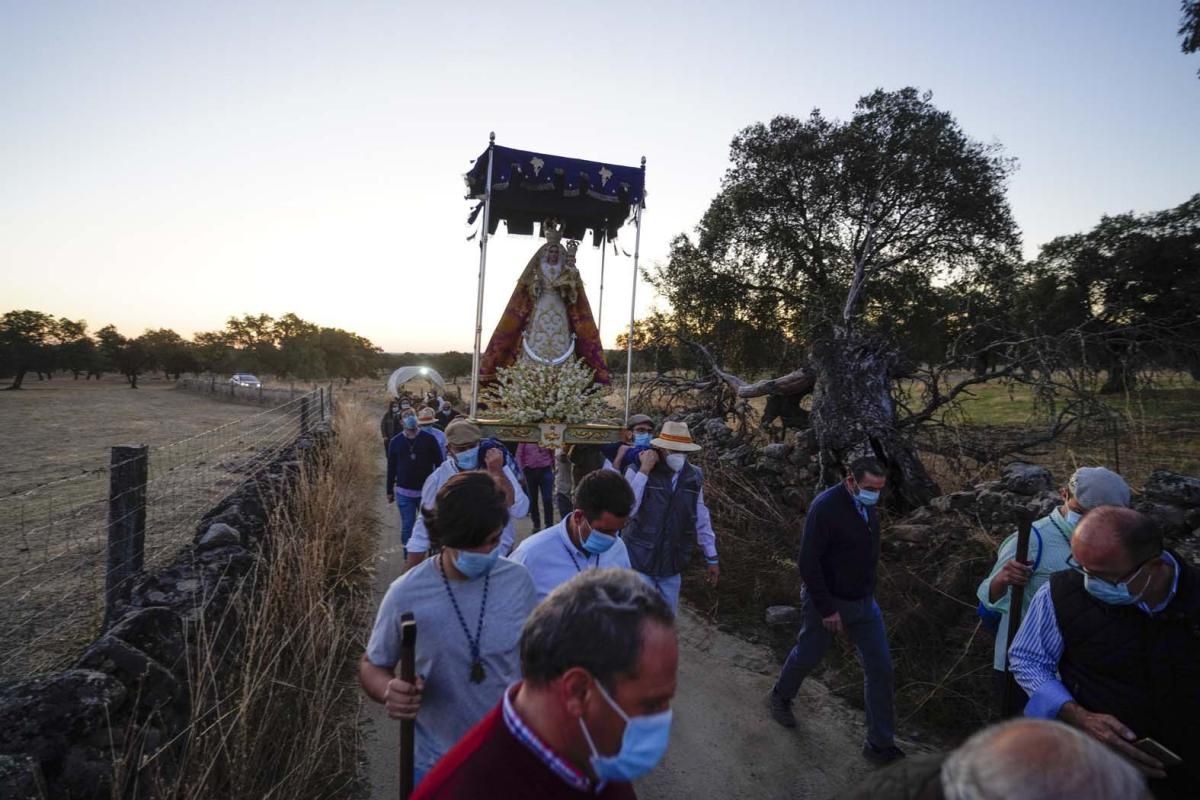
(245, 380)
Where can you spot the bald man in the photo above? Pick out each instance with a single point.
(1112, 646)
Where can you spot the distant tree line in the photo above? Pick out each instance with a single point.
(287, 347)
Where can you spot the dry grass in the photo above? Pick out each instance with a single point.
(278, 720)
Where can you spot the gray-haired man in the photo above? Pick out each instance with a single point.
(599, 657)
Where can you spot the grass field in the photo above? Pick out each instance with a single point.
(54, 496)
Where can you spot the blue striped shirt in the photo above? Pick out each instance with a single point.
(1039, 647)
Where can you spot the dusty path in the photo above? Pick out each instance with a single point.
(723, 744)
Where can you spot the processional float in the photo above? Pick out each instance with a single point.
(543, 373)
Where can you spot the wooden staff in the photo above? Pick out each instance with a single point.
(1012, 701)
(408, 674)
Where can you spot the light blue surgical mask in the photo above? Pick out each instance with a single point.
(599, 542)
(867, 497)
(642, 439)
(468, 459)
(476, 565)
(642, 745)
(1114, 594)
(410, 422)
(1073, 517)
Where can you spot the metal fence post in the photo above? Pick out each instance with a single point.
(304, 415)
(128, 470)
(322, 390)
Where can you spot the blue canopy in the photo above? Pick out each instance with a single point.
(530, 187)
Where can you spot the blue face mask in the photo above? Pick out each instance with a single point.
(867, 497)
(476, 565)
(1073, 517)
(468, 459)
(1114, 594)
(642, 745)
(599, 542)
(410, 422)
(642, 439)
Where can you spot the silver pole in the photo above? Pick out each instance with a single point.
(487, 208)
(637, 249)
(600, 313)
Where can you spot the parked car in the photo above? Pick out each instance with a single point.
(245, 380)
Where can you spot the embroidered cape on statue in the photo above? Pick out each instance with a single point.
(548, 319)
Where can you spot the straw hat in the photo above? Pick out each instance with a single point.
(426, 416)
(675, 436)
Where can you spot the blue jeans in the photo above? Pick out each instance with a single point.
(540, 481)
(863, 623)
(409, 506)
(668, 587)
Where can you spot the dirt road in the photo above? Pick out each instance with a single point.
(723, 744)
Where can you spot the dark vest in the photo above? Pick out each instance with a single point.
(1142, 669)
(661, 537)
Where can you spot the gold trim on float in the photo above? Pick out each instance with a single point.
(549, 434)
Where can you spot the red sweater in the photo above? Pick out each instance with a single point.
(489, 762)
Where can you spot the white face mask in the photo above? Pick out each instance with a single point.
(676, 461)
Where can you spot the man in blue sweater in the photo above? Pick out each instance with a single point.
(838, 558)
(413, 454)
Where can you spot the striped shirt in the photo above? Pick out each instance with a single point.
(525, 735)
(1039, 647)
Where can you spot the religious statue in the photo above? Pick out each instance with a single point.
(548, 319)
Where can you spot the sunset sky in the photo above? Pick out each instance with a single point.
(172, 164)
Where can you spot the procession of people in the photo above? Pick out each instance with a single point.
(545, 664)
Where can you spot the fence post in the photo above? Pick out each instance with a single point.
(128, 470)
(212, 385)
(304, 415)
(322, 403)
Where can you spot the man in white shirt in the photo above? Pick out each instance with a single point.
(587, 538)
(669, 516)
(463, 444)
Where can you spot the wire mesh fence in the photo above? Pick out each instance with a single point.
(57, 535)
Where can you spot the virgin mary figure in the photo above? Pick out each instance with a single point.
(548, 319)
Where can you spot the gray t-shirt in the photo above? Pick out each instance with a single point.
(452, 704)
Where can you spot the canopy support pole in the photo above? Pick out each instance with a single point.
(487, 208)
(637, 249)
(600, 312)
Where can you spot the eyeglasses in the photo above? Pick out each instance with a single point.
(1075, 565)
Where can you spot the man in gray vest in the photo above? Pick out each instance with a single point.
(669, 516)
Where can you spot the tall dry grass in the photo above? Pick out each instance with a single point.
(274, 708)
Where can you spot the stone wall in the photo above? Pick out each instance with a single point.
(127, 698)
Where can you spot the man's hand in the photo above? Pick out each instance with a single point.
(1013, 573)
(403, 700)
(833, 623)
(391, 498)
(1111, 731)
(494, 461)
(714, 574)
(647, 460)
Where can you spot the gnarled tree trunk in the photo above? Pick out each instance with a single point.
(853, 415)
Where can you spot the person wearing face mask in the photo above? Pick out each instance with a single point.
(389, 424)
(1049, 548)
(413, 455)
(839, 554)
(1111, 645)
(639, 430)
(463, 440)
(469, 605)
(592, 714)
(669, 516)
(427, 420)
(589, 538)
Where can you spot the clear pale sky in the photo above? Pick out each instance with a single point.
(172, 164)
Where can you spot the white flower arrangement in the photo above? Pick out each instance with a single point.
(530, 392)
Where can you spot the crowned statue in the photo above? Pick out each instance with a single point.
(548, 320)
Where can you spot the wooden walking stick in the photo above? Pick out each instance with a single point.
(1011, 703)
(408, 674)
